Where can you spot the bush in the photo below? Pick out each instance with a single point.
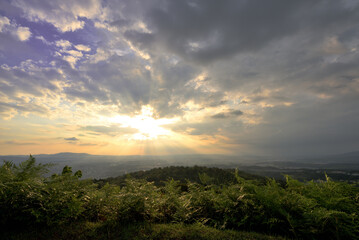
(307, 210)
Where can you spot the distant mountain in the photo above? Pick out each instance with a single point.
(65, 154)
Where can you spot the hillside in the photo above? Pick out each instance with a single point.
(63, 206)
(196, 174)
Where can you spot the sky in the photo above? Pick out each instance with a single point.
(131, 77)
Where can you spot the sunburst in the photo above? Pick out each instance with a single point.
(148, 127)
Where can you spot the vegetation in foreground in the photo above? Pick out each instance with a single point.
(65, 207)
(101, 231)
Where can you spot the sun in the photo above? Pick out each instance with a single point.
(148, 127)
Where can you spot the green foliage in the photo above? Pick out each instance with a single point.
(197, 232)
(304, 210)
(20, 191)
(28, 198)
(98, 231)
(195, 174)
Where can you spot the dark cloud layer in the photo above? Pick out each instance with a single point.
(205, 31)
(227, 114)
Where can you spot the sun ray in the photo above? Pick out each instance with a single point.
(148, 127)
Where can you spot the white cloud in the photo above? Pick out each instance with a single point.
(101, 55)
(71, 60)
(4, 21)
(63, 14)
(64, 44)
(19, 32)
(34, 91)
(41, 38)
(81, 47)
(74, 53)
(23, 33)
(69, 55)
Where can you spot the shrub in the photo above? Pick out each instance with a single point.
(306, 210)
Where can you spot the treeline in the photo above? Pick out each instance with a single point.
(303, 210)
(196, 174)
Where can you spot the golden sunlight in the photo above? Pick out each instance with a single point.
(148, 127)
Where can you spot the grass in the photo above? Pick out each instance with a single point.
(197, 231)
(92, 231)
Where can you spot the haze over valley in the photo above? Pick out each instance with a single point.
(343, 167)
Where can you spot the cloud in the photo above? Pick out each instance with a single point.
(19, 143)
(4, 21)
(109, 130)
(122, 80)
(227, 114)
(82, 47)
(63, 44)
(29, 89)
(42, 39)
(88, 144)
(28, 78)
(232, 27)
(19, 32)
(64, 15)
(23, 33)
(23, 107)
(66, 50)
(305, 128)
(248, 74)
(236, 112)
(72, 139)
(219, 116)
(71, 60)
(204, 128)
(333, 46)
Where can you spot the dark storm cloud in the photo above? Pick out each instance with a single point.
(326, 127)
(208, 30)
(275, 44)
